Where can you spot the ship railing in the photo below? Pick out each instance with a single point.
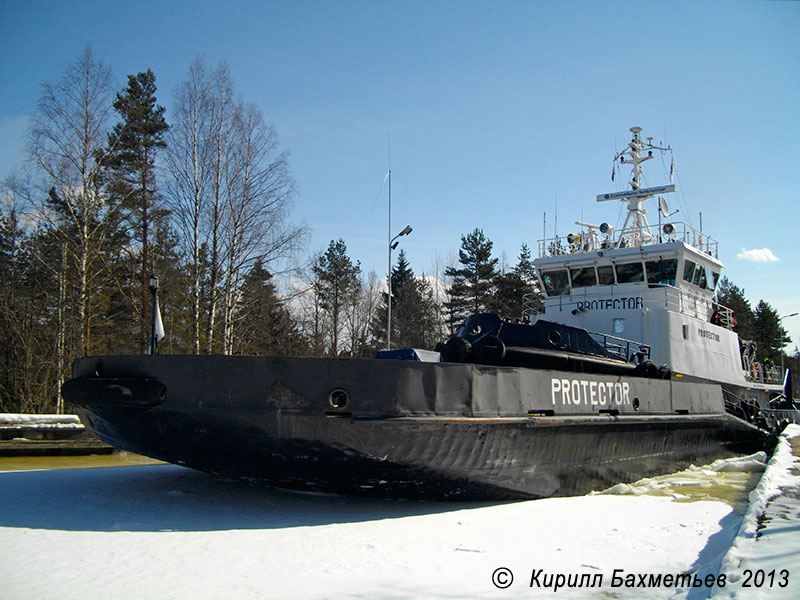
(628, 350)
(696, 305)
(761, 373)
(531, 305)
(675, 231)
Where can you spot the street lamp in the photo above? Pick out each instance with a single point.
(154, 290)
(392, 246)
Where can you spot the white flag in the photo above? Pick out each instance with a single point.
(159, 328)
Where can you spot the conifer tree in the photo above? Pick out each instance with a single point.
(512, 286)
(265, 327)
(336, 283)
(730, 296)
(413, 310)
(471, 291)
(770, 336)
(135, 141)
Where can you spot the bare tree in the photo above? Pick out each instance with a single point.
(258, 200)
(67, 140)
(188, 164)
(360, 314)
(230, 175)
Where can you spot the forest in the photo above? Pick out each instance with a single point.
(113, 194)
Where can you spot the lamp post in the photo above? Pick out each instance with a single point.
(392, 245)
(153, 349)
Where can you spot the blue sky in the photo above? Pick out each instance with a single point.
(495, 112)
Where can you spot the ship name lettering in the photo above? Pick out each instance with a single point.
(709, 335)
(611, 304)
(589, 393)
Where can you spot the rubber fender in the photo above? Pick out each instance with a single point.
(491, 350)
(457, 350)
(647, 369)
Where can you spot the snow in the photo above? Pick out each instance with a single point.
(26, 419)
(769, 536)
(164, 531)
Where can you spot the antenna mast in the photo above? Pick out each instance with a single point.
(636, 230)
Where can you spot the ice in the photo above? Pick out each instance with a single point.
(165, 531)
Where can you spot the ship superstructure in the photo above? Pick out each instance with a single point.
(655, 284)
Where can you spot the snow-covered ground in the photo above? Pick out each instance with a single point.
(168, 532)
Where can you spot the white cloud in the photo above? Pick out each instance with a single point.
(757, 255)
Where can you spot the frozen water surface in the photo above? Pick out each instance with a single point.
(163, 531)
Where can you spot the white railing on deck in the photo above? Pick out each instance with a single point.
(559, 246)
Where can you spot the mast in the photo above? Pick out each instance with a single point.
(636, 230)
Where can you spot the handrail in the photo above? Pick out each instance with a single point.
(591, 242)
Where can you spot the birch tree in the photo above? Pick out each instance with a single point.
(68, 136)
(232, 184)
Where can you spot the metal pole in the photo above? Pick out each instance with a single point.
(389, 273)
(153, 347)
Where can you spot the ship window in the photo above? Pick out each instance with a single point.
(556, 283)
(605, 275)
(713, 278)
(662, 272)
(630, 273)
(583, 277)
(699, 278)
(688, 271)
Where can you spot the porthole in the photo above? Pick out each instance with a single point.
(339, 398)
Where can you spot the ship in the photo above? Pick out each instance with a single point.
(631, 370)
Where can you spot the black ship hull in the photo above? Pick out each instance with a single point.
(405, 429)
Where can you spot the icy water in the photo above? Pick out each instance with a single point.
(728, 480)
(91, 461)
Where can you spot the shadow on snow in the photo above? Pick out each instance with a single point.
(172, 498)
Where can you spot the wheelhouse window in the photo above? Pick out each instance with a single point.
(630, 272)
(688, 271)
(556, 283)
(699, 278)
(703, 277)
(661, 272)
(713, 278)
(605, 275)
(583, 277)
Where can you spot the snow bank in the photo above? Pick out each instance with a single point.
(26, 419)
(768, 540)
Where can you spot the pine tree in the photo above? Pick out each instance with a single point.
(337, 283)
(511, 287)
(730, 296)
(134, 144)
(770, 336)
(471, 291)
